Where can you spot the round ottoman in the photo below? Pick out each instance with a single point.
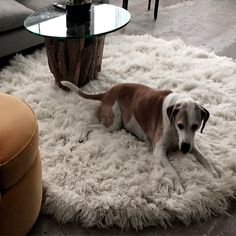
(20, 167)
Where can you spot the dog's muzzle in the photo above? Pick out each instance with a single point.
(185, 148)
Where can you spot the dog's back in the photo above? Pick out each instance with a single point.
(139, 108)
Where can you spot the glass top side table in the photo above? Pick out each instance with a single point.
(75, 46)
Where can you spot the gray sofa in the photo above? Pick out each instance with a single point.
(13, 36)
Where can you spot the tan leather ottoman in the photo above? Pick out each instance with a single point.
(20, 167)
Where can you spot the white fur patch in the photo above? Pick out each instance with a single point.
(134, 127)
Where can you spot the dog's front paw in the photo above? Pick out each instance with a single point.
(215, 173)
(179, 188)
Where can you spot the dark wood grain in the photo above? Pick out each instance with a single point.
(75, 60)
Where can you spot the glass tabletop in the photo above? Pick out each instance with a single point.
(53, 22)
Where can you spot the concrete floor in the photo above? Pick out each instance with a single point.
(209, 24)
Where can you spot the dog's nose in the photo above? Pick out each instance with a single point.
(185, 147)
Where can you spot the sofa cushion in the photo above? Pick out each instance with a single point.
(37, 5)
(12, 14)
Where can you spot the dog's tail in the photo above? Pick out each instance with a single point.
(80, 93)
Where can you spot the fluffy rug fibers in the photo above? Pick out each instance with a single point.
(113, 179)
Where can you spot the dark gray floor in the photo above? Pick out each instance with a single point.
(209, 24)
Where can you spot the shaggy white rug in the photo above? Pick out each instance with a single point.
(113, 179)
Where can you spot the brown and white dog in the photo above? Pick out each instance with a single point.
(168, 120)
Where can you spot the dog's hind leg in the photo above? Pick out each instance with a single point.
(109, 117)
(86, 130)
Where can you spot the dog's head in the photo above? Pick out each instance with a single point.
(187, 117)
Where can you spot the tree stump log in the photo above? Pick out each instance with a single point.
(75, 60)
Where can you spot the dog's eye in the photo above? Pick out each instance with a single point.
(194, 127)
(180, 126)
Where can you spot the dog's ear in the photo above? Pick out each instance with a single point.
(172, 112)
(204, 116)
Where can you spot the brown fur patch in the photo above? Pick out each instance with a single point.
(182, 116)
(140, 101)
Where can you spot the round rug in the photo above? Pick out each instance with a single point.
(113, 179)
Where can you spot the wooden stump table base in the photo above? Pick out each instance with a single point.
(75, 60)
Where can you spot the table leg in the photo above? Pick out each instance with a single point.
(156, 9)
(125, 4)
(149, 4)
(75, 60)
